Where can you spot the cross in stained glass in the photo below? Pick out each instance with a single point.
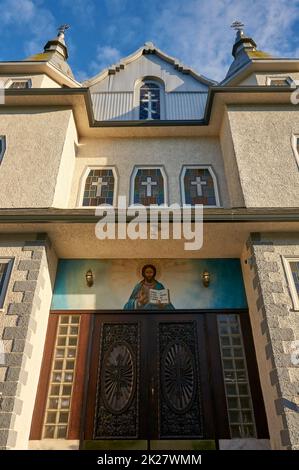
(99, 184)
(198, 183)
(149, 183)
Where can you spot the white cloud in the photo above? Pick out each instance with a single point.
(198, 32)
(84, 10)
(105, 56)
(31, 17)
(115, 7)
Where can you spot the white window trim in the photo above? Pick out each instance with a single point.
(149, 167)
(3, 138)
(136, 99)
(7, 277)
(289, 80)
(83, 181)
(294, 139)
(291, 285)
(214, 178)
(18, 79)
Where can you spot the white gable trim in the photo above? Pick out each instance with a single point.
(153, 50)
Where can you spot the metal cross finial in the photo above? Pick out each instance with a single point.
(237, 25)
(62, 29)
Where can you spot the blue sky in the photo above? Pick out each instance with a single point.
(197, 32)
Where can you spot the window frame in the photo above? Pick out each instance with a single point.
(10, 81)
(3, 150)
(149, 167)
(214, 178)
(83, 182)
(294, 140)
(40, 406)
(138, 84)
(5, 281)
(287, 78)
(290, 280)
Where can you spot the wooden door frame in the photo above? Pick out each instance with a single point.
(215, 366)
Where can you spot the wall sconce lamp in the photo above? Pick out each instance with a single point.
(89, 278)
(206, 277)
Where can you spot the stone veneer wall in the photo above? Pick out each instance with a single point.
(275, 326)
(23, 323)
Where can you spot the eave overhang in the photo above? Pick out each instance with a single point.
(79, 100)
(87, 216)
(261, 65)
(38, 67)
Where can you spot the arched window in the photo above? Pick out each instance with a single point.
(199, 186)
(150, 101)
(2, 147)
(148, 186)
(98, 187)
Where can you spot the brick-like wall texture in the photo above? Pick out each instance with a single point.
(18, 325)
(276, 327)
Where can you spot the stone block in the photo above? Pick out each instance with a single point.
(28, 265)
(24, 286)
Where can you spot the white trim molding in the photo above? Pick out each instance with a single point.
(294, 141)
(214, 178)
(3, 147)
(83, 182)
(149, 167)
(291, 284)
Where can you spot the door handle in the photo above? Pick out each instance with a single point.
(152, 386)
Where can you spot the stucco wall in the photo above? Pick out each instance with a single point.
(67, 165)
(172, 153)
(268, 171)
(35, 141)
(275, 326)
(230, 164)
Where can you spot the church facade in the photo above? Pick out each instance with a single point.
(129, 317)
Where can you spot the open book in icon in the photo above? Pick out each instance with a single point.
(159, 296)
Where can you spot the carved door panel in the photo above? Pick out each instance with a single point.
(114, 388)
(148, 378)
(178, 376)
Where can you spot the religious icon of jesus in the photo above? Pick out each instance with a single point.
(149, 294)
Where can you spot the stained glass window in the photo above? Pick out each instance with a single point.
(2, 147)
(198, 187)
(99, 187)
(294, 265)
(149, 187)
(237, 389)
(149, 101)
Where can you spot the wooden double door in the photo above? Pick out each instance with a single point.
(150, 378)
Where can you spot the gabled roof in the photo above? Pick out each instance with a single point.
(149, 48)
